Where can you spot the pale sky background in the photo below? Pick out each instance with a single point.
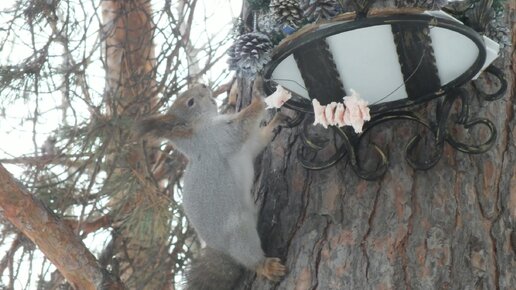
(214, 16)
(219, 15)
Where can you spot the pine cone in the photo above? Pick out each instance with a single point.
(266, 23)
(432, 4)
(286, 12)
(314, 10)
(249, 53)
(498, 31)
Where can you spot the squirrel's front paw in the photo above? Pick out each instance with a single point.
(272, 269)
(258, 92)
(258, 83)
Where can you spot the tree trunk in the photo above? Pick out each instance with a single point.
(140, 242)
(451, 227)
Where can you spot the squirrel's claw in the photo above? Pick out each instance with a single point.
(280, 120)
(272, 269)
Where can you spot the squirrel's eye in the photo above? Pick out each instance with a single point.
(190, 103)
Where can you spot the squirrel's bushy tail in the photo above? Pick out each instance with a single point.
(213, 270)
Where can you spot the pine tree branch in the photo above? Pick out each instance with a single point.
(91, 226)
(53, 237)
(224, 88)
(44, 160)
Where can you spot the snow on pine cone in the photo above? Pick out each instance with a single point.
(249, 53)
(313, 10)
(432, 4)
(286, 12)
(498, 31)
(267, 23)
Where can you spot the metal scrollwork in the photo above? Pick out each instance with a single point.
(498, 74)
(313, 144)
(421, 81)
(296, 120)
(347, 143)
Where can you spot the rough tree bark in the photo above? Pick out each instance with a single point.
(451, 227)
(53, 237)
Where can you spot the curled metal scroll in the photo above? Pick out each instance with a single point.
(314, 144)
(349, 143)
(475, 148)
(498, 74)
(296, 120)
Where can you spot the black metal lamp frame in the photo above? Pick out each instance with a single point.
(395, 110)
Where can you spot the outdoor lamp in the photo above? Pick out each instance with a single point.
(394, 61)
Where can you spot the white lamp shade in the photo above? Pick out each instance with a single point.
(372, 59)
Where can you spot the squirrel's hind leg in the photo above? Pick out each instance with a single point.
(244, 244)
(245, 248)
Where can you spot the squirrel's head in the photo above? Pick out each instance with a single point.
(195, 104)
(188, 112)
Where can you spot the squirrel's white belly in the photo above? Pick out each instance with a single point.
(221, 193)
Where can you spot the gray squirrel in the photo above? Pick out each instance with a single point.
(217, 183)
